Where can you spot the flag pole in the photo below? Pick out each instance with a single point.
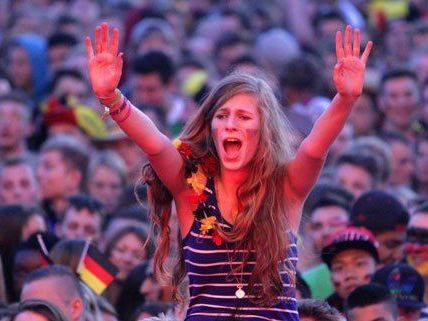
(42, 245)
(82, 256)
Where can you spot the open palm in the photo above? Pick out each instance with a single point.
(105, 64)
(348, 74)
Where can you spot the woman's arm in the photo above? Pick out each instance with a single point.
(105, 69)
(348, 75)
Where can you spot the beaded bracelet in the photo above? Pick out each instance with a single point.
(117, 111)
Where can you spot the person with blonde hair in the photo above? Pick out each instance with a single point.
(237, 187)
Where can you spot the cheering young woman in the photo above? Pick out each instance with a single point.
(237, 187)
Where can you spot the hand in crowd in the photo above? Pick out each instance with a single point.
(348, 74)
(105, 64)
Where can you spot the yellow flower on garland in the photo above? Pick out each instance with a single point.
(197, 181)
(207, 224)
(177, 143)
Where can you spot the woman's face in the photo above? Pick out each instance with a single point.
(236, 131)
(127, 253)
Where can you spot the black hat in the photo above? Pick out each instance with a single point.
(379, 211)
(405, 284)
(350, 238)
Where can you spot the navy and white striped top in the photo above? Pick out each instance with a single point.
(212, 287)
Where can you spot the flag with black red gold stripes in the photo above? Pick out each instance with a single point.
(95, 269)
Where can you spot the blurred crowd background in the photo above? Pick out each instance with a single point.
(73, 175)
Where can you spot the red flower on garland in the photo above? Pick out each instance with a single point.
(217, 238)
(209, 164)
(197, 198)
(186, 150)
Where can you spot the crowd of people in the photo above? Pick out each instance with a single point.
(69, 175)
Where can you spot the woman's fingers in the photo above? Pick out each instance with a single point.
(98, 39)
(89, 49)
(114, 42)
(356, 46)
(104, 37)
(366, 52)
(348, 47)
(340, 53)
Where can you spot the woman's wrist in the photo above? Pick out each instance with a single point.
(111, 101)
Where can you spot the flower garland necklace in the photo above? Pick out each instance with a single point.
(194, 171)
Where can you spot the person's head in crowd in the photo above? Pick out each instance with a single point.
(131, 297)
(26, 64)
(126, 250)
(327, 214)
(303, 291)
(406, 286)
(386, 217)
(371, 302)
(150, 309)
(66, 23)
(396, 40)
(376, 147)
(365, 115)
(227, 48)
(107, 180)
(69, 82)
(18, 184)
(192, 78)
(117, 141)
(416, 247)
(357, 172)
(28, 257)
(399, 99)
(300, 80)
(151, 79)
(68, 253)
(317, 310)
(38, 310)
(274, 48)
(421, 165)
(326, 21)
(351, 256)
(154, 34)
(58, 285)
(15, 125)
(402, 159)
(59, 44)
(82, 219)
(132, 215)
(17, 224)
(61, 170)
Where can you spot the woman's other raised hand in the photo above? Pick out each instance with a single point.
(348, 74)
(105, 64)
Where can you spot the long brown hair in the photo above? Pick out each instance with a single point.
(261, 196)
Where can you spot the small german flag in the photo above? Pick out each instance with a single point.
(95, 269)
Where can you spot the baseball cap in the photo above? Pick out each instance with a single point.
(358, 238)
(405, 284)
(379, 211)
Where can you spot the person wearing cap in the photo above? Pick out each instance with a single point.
(351, 256)
(371, 302)
(407, 288)
(384, 215)
(327, 211)
(416, 246)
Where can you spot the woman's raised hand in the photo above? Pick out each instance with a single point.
(105, 64)
(348, 74)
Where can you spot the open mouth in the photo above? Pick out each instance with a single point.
(232, 146)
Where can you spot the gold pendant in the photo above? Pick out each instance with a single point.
(240, 293)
